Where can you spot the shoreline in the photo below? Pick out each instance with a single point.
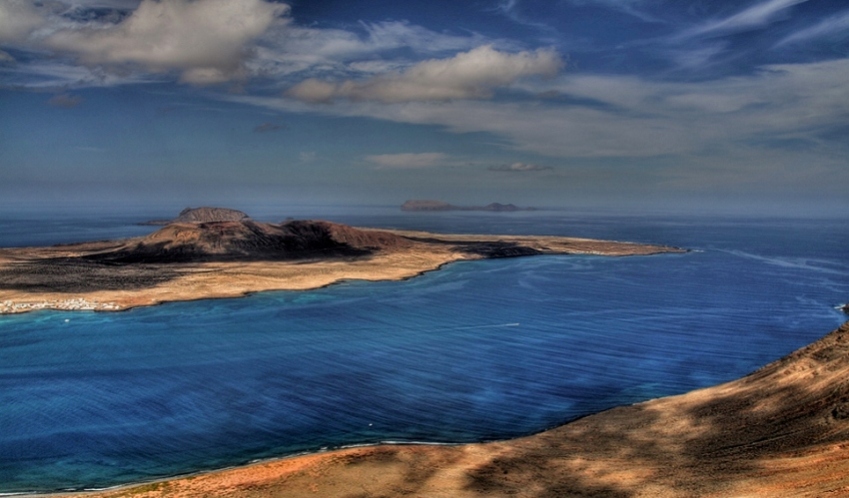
(158, 283)
(258, 462)
(780, 431)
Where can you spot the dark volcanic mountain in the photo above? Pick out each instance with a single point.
(248, 240)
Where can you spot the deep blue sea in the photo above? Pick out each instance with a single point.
(477, 351)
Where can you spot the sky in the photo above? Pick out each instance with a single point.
(678, 106)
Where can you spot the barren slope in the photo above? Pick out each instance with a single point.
(248, 240)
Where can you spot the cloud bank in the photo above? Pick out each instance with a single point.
(205, 41)
(595, 116)
(468, 75)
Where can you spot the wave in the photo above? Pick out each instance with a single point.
(808, 264)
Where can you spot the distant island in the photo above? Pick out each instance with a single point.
(431, 205)
(216, 252)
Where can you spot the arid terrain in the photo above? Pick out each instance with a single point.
(215, 253)
(782, 431)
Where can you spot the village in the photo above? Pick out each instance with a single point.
(75, 304)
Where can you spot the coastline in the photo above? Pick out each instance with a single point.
(780, 431)
(187, 281)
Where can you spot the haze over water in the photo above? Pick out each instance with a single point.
(476, 351)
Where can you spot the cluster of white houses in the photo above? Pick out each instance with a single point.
(75, 304)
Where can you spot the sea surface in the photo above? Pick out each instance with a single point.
(477, 351)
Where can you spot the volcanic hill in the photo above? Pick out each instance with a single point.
(210, 238)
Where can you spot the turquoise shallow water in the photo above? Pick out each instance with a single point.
(477, 351)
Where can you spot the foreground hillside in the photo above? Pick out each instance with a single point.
(782, 431)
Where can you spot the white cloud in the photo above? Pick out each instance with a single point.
(315, 91)
(18, 19)
(511, 9)
(56, 74)
(407, 160)
(639, 118)
(468, 75)
(834, 25)
(630, 7)
(401, 34)
(519, 167)
(207, 41)
(339, 53)
(104, 4)
(753, 17)
(338, 44)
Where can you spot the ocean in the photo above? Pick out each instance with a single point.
(476, 351)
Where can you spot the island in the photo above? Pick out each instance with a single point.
(431, 205)
(215, 253)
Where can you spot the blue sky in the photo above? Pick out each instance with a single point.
(631, 104)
